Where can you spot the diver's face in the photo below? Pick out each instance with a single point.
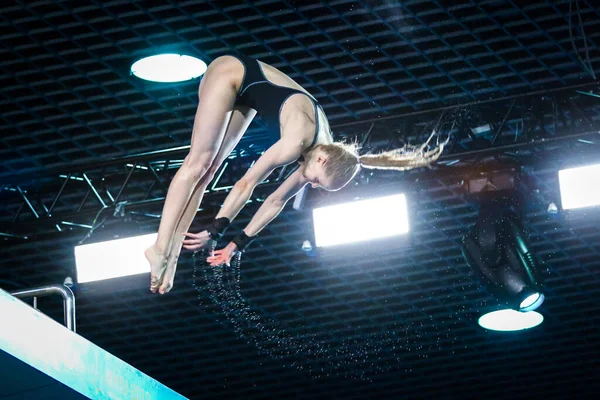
(314, 173)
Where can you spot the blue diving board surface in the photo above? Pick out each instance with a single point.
(42, 359)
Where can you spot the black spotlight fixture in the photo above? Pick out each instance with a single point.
(496, 248)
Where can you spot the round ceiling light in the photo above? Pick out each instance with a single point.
(532, 302)
(168, 68)
(510, 320)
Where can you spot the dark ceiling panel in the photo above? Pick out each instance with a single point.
(402, 325)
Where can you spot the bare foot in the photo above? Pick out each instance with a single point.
(169, 275)
(158, 266)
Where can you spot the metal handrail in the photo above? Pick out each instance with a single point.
(64, 291)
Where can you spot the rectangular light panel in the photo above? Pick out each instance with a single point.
(360, 220)
(580, 187)
(113, 259)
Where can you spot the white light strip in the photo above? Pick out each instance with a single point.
(580, 187)
(113, 259)
(361, 220)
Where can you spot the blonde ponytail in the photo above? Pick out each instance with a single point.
(344, 161)
(405, 158)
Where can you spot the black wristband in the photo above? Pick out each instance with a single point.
(218, 228)
(242, 241)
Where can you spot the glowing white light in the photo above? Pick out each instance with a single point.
(532, 302)
(113, 259)
(580, 187)
(510, 320)
(168, 68)
(360, 220)
(481, 129)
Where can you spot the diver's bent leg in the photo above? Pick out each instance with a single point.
(217, 95)
(240, 120)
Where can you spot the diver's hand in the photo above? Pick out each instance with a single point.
(222, 256)
(198, 240)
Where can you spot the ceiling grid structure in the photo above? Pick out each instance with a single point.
(81, 139)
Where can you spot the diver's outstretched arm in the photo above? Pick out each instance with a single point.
(265, 214)
(275, 202)
(283, 152)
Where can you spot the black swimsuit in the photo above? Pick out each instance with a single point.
(267, 98)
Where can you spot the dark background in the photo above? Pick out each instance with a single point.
(68, 101)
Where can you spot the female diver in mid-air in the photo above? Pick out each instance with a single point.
(232, 91)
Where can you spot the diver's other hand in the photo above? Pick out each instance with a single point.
(196, 241)
(222, 256)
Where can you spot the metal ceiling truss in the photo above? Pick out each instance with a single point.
(85, 194)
